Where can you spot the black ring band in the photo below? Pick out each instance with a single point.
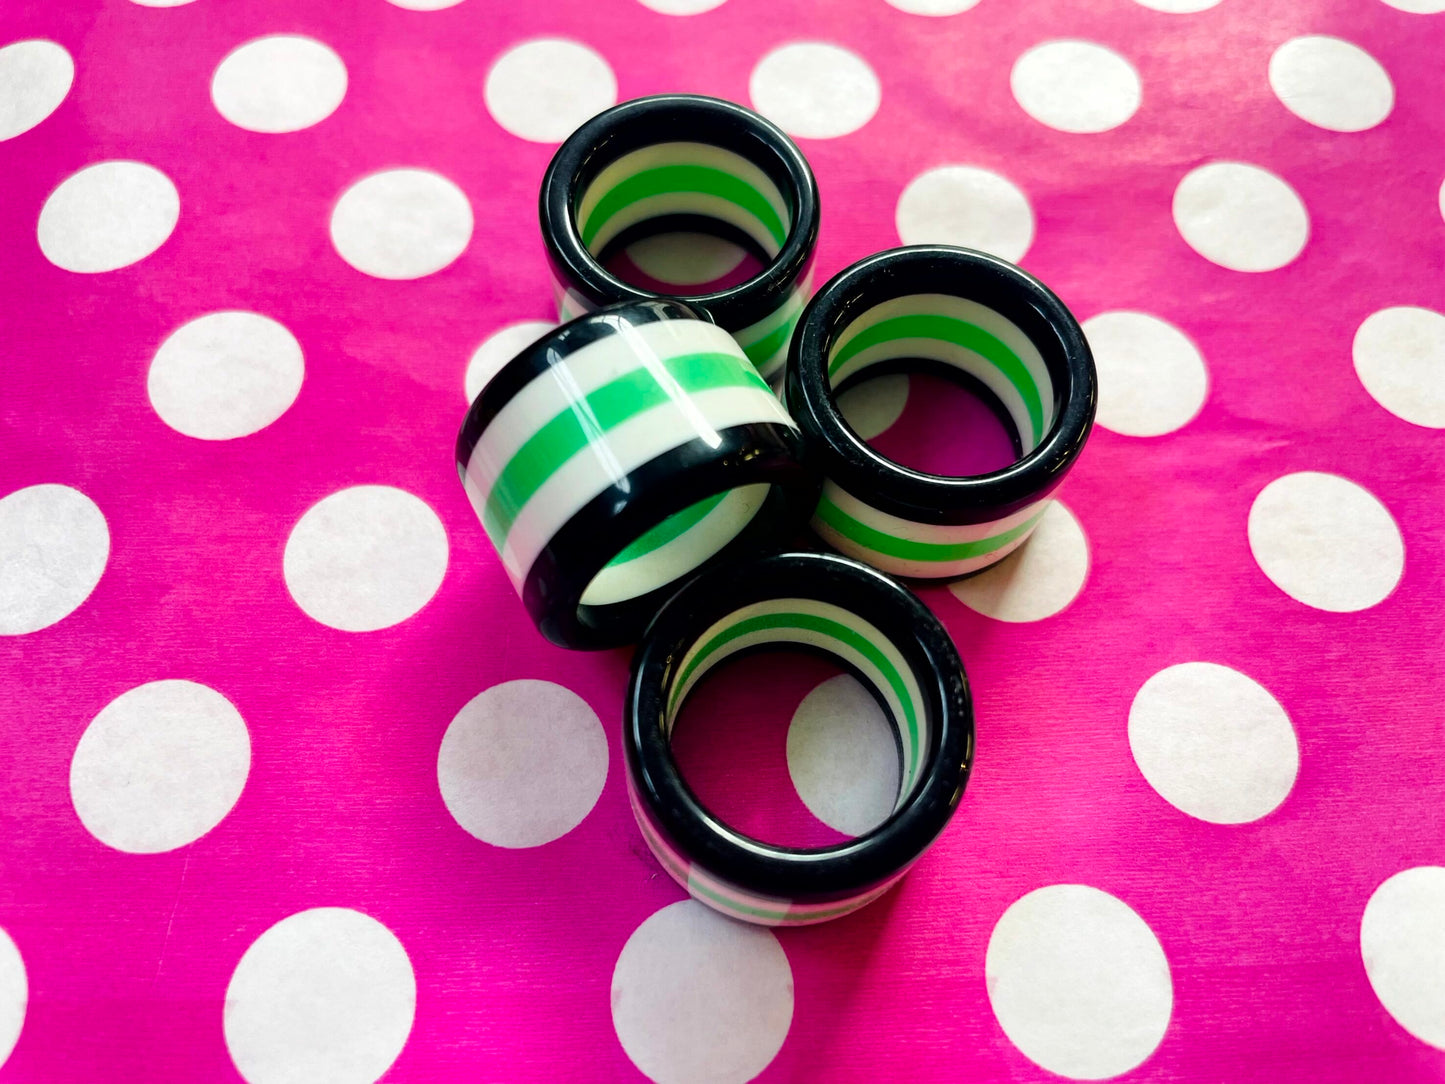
(873, 626)
(982, 318)
(683, 161)
(620, 453)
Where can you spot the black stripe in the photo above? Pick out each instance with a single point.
(553, 349)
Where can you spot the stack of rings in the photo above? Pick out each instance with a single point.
(681, 162)
(637, 474)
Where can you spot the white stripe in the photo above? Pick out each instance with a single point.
(679, 556)
(678, 154)
(771, 367)
(958, 308)
(618, 452)
(908, 569)
(945, 533)
(564, 386)
(788, 310)
(815, 608)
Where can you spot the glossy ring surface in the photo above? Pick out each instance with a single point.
(685, 163)
(875, 628)
(974, 319)
(620, 453)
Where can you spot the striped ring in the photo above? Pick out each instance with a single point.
(973, 319)
(876, 629)
(685, 163)
(620, 453)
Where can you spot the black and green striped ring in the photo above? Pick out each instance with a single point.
(620, 453)
(972, 318)
(875, 628)
(683, 162)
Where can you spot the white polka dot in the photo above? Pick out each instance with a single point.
(225, 375)
(107, 216)
(933, 7)
(281, 83)
(425, 5)
(542, 90)
(871, 408)
(685, 259)
(1078, 982)
(1076, 86)
(1400, 359)
(1038, 579)
(401, 223)
(326, 996)
(699, 997)
(499, 348)
(53, 547)
(14, 994)
(1331, 83)
(1240, 216)
(1417, 7)
(681, 7)
(967, 206)
(1152, 379)
(35, 77)
(1402, 940)
(513, 783)
(1213, 742)
(843, 756)
(365, 558)
(815, 90)
(159, 767)
(1326, 541)
(1178, 7)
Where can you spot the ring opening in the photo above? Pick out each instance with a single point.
(679, 190)
(857, 645)
(930, 420)
(675, 547)
(788, 747)
(975, 345)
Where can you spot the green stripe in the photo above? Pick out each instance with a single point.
(827, 627)
(585, 422)
(771, 343)
(906, 548)
(668, 529)
(959, 333)
(667, 180)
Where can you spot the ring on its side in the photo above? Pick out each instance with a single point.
(685, 163)
(875, 628)
(977, 320)
(620, 453)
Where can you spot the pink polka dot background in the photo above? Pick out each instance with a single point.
(291, 789)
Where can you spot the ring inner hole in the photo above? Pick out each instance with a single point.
(676, 546)
(683, 218)
(980, 396)
(839, 641)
